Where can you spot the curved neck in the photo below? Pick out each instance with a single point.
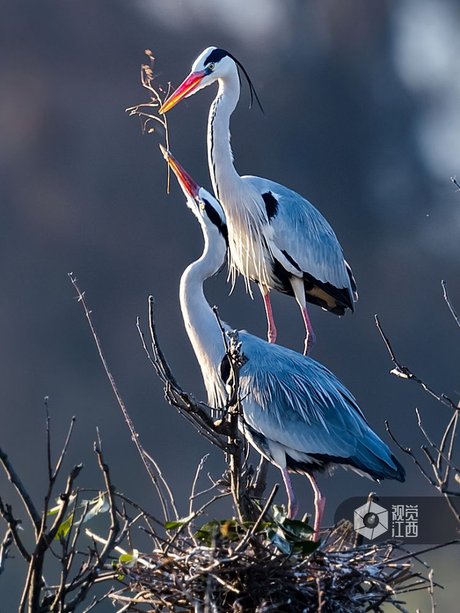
(220, 157)
(200, 322)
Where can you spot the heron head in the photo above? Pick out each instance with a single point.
(212, 64)
(204, 206)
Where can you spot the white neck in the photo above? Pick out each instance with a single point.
(200, 322)
(220, 157)
(243, 206)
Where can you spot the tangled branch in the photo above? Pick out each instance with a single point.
(438, 467)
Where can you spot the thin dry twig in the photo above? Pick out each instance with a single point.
(438, 456)
(449, 304)
(21, 490)
(156, 479)
(225, 576)
(234, 359)
(148, 111)
(14, 524)
(5, 546)
(405, 373)
(197, 413)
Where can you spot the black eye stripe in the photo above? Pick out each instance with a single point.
(215, 56)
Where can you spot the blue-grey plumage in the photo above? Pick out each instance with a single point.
(295, 404)
(296, 413)
(276, 237)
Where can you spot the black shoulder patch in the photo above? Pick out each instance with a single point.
(215, 56)
(225, 369)
(271, 205)
(216, 219)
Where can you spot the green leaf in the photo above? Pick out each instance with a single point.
(55, 510)
(173, 525)
(178, 523)
(230, 529)
(208, 531)
(307, 547)
(129, 559)
(291, 535)
(64, 528)
(262, 527)
(298, 529)
(277, 538)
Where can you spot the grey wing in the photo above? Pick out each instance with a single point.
(296, 402)
(300, 238)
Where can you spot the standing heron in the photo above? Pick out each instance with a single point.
(295, 412)
(276, 237)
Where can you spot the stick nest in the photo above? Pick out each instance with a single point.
(226, 576)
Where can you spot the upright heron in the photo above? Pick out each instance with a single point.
(276, 237)
(296, 413)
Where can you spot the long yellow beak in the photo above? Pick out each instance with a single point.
(188, 185)
(185, 88)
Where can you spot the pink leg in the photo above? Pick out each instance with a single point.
(310, 335)
(293, 505)
(320, 503)
(271, 334)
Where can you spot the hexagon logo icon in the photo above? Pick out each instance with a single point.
(370, 520)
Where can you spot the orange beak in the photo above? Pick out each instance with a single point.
(188, 185)
(185, 88)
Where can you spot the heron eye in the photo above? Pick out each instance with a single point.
(211, 66)
(202, 206)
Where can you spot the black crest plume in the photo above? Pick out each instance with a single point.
(218, 54)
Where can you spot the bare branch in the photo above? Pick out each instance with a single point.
(48, 439)
(7, 513)
(5, 547)
(405, 373)
(64, 449)
(148, 111)
(134, 435)
(258, 521)
(64, 500)
(410, 453)
(196, 412)
(449, 304)
(21, 490)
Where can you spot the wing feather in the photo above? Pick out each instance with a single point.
(299, 230)
(294, 402)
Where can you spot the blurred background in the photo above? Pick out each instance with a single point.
(362, 116)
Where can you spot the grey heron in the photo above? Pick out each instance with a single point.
(295, 412)
(276, 237)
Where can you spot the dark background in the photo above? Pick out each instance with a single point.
(362, 106)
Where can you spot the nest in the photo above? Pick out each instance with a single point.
(251, 574)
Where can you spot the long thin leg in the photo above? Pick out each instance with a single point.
(320, 503)
(310, 337)
(271, 333)
(299, 293)
(293, 505)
